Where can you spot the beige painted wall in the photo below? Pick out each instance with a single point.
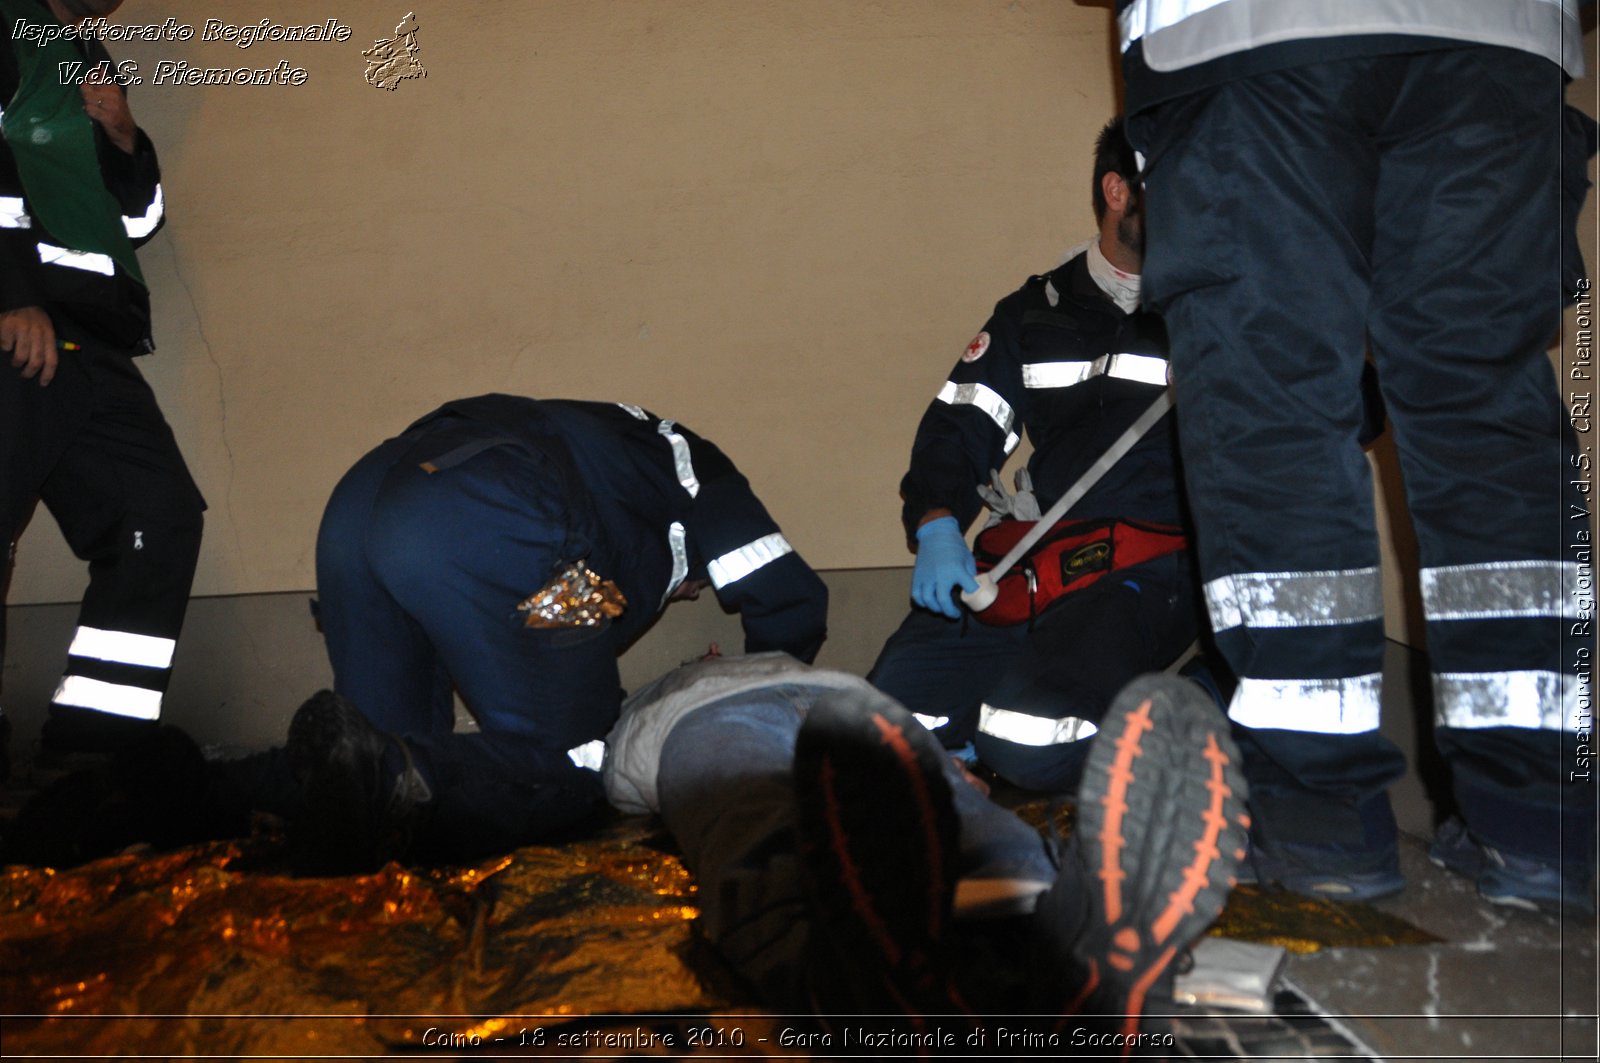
(777, 222)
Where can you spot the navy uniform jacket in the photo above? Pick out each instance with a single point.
(1061, 362)
(656, 505)
(88, 297)
(1229, 39)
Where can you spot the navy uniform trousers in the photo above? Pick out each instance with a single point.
(418, 577)
(95, 449)
(1030, 696)
(1410, 203)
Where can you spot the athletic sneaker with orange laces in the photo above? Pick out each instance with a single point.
(1161, 828)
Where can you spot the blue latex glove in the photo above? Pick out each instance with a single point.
(943, 562)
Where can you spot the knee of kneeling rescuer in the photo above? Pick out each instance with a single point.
(1054, 768)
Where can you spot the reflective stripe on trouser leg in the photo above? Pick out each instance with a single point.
(1035, 726)
(1469, 222)
(1039, 731)
(112, 667)
(1318, 731)
(116, 699)
(1513, 705)
(1495, 618)
(943, 669)
(1259, 226)
(124, 500)
(119, 672)
(1034, 752)
(1291, 607)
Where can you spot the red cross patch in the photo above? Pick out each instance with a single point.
(976, 349)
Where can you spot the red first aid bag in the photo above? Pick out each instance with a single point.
(1069, 557)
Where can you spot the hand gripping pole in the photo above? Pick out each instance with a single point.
(984, 596)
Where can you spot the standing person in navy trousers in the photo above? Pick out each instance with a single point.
(1323, 179)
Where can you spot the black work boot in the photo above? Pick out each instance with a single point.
(362, 796)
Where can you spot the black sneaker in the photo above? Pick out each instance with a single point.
(1511, 880)
(1323, 847)
(1161, 827)
(359, 813)
(878, 845)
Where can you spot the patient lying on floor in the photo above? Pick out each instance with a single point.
(846, 864)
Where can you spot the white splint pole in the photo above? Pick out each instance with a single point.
(984, 596)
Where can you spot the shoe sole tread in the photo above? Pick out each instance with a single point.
(1158, 879)
(861, 851)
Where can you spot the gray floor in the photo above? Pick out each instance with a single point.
(1503, 985)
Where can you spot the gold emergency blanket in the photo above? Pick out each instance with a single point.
(577, 597)
(212, 950)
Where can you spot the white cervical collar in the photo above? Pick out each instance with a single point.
(1122, 288)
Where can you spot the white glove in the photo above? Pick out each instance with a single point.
(1002, 504)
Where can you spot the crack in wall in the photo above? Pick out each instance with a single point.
(222, 398)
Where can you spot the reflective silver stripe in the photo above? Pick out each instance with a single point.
(635, 410)
(142, 226)
(1295, 599)
(1055, 374)
(1027, 730)
(1144, 17)
(983, 397)
(678, 543)
(52, 255)
(591, 755)
(735, 565)
(1532, 700)
(932, 723)
(14, 213)
(1173, 39)
(1143, 368)
(115, 698)
(1500, 590)
(1319, 706)
(122, 647)
(1140, 368)
(681, 458)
